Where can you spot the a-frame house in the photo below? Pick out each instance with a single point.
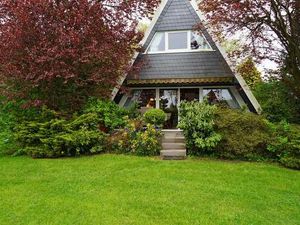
(182, 64)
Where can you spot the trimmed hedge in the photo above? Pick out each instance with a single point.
(155, 116)
(244, 135)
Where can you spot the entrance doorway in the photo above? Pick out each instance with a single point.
(168, 103)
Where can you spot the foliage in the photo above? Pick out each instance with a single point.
(244, 135)
(53, 136)
(111, 115)
(147, 143)
(59, 53)
(277, 102)
(261, 23)
(155, 116)
(136, 139)
(249, 72)
(197, 122)
(133, 111)
(12, 113)
(286, 144)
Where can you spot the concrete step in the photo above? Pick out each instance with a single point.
(173, 154)
(173, 146)
(172, 133)
(173, 140)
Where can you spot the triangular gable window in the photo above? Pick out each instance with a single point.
(198, 41)
(178, 41)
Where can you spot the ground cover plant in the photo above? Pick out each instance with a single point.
(116, 189)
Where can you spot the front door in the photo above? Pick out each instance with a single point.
(168, 103)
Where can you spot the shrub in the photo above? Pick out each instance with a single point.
(146, 143)
(197, 122)
(133, 111)
(59, 137)
(277, 102)
(244, 135)
(155, 116)
(111, 116)
(286, 144)
(11, 113)
(136, 139)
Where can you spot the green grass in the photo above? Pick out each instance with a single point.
(111, 189)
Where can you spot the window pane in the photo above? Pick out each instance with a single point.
(198, 41)
(158, 43)
(189, 94)
(178, 40)
(220, 96)
(145, 98)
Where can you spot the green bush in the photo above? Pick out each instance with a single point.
(147, 143)
(155, 116)
(197, 122)
(286, 144)
(60, 137)
(244, 135)
(133, 111)
(136, 139)
(111, 115)
(11, 113)
(277, 102)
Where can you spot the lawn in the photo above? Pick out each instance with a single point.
(109, 189)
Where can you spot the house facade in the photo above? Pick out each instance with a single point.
(180, 63)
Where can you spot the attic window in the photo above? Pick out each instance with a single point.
(178, 41)
(158, 43)
(198, 41)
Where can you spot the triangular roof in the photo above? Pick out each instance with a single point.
(184, 15)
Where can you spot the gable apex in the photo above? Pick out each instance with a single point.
(177, 15)
(174, 15)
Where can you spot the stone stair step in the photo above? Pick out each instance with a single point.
(173, 134)
(173, 140)
(173, 146)
(173, 154)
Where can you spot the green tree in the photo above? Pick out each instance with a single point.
(249, 72)
(277, 101)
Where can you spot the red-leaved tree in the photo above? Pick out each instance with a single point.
(60, 52)
(270, 30)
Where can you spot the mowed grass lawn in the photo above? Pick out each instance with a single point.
(110, 189)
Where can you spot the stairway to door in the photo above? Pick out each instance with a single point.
(173, 145)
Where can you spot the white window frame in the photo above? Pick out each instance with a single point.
(231, 89)
(188, 49)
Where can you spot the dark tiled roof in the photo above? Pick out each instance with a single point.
(180, 15)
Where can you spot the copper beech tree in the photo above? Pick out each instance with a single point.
(270, 29)
(59, 52)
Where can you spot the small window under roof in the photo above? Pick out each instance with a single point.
(198, 41)
(178, 41)
(158, 43)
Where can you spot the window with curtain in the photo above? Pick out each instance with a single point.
(158, 43)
